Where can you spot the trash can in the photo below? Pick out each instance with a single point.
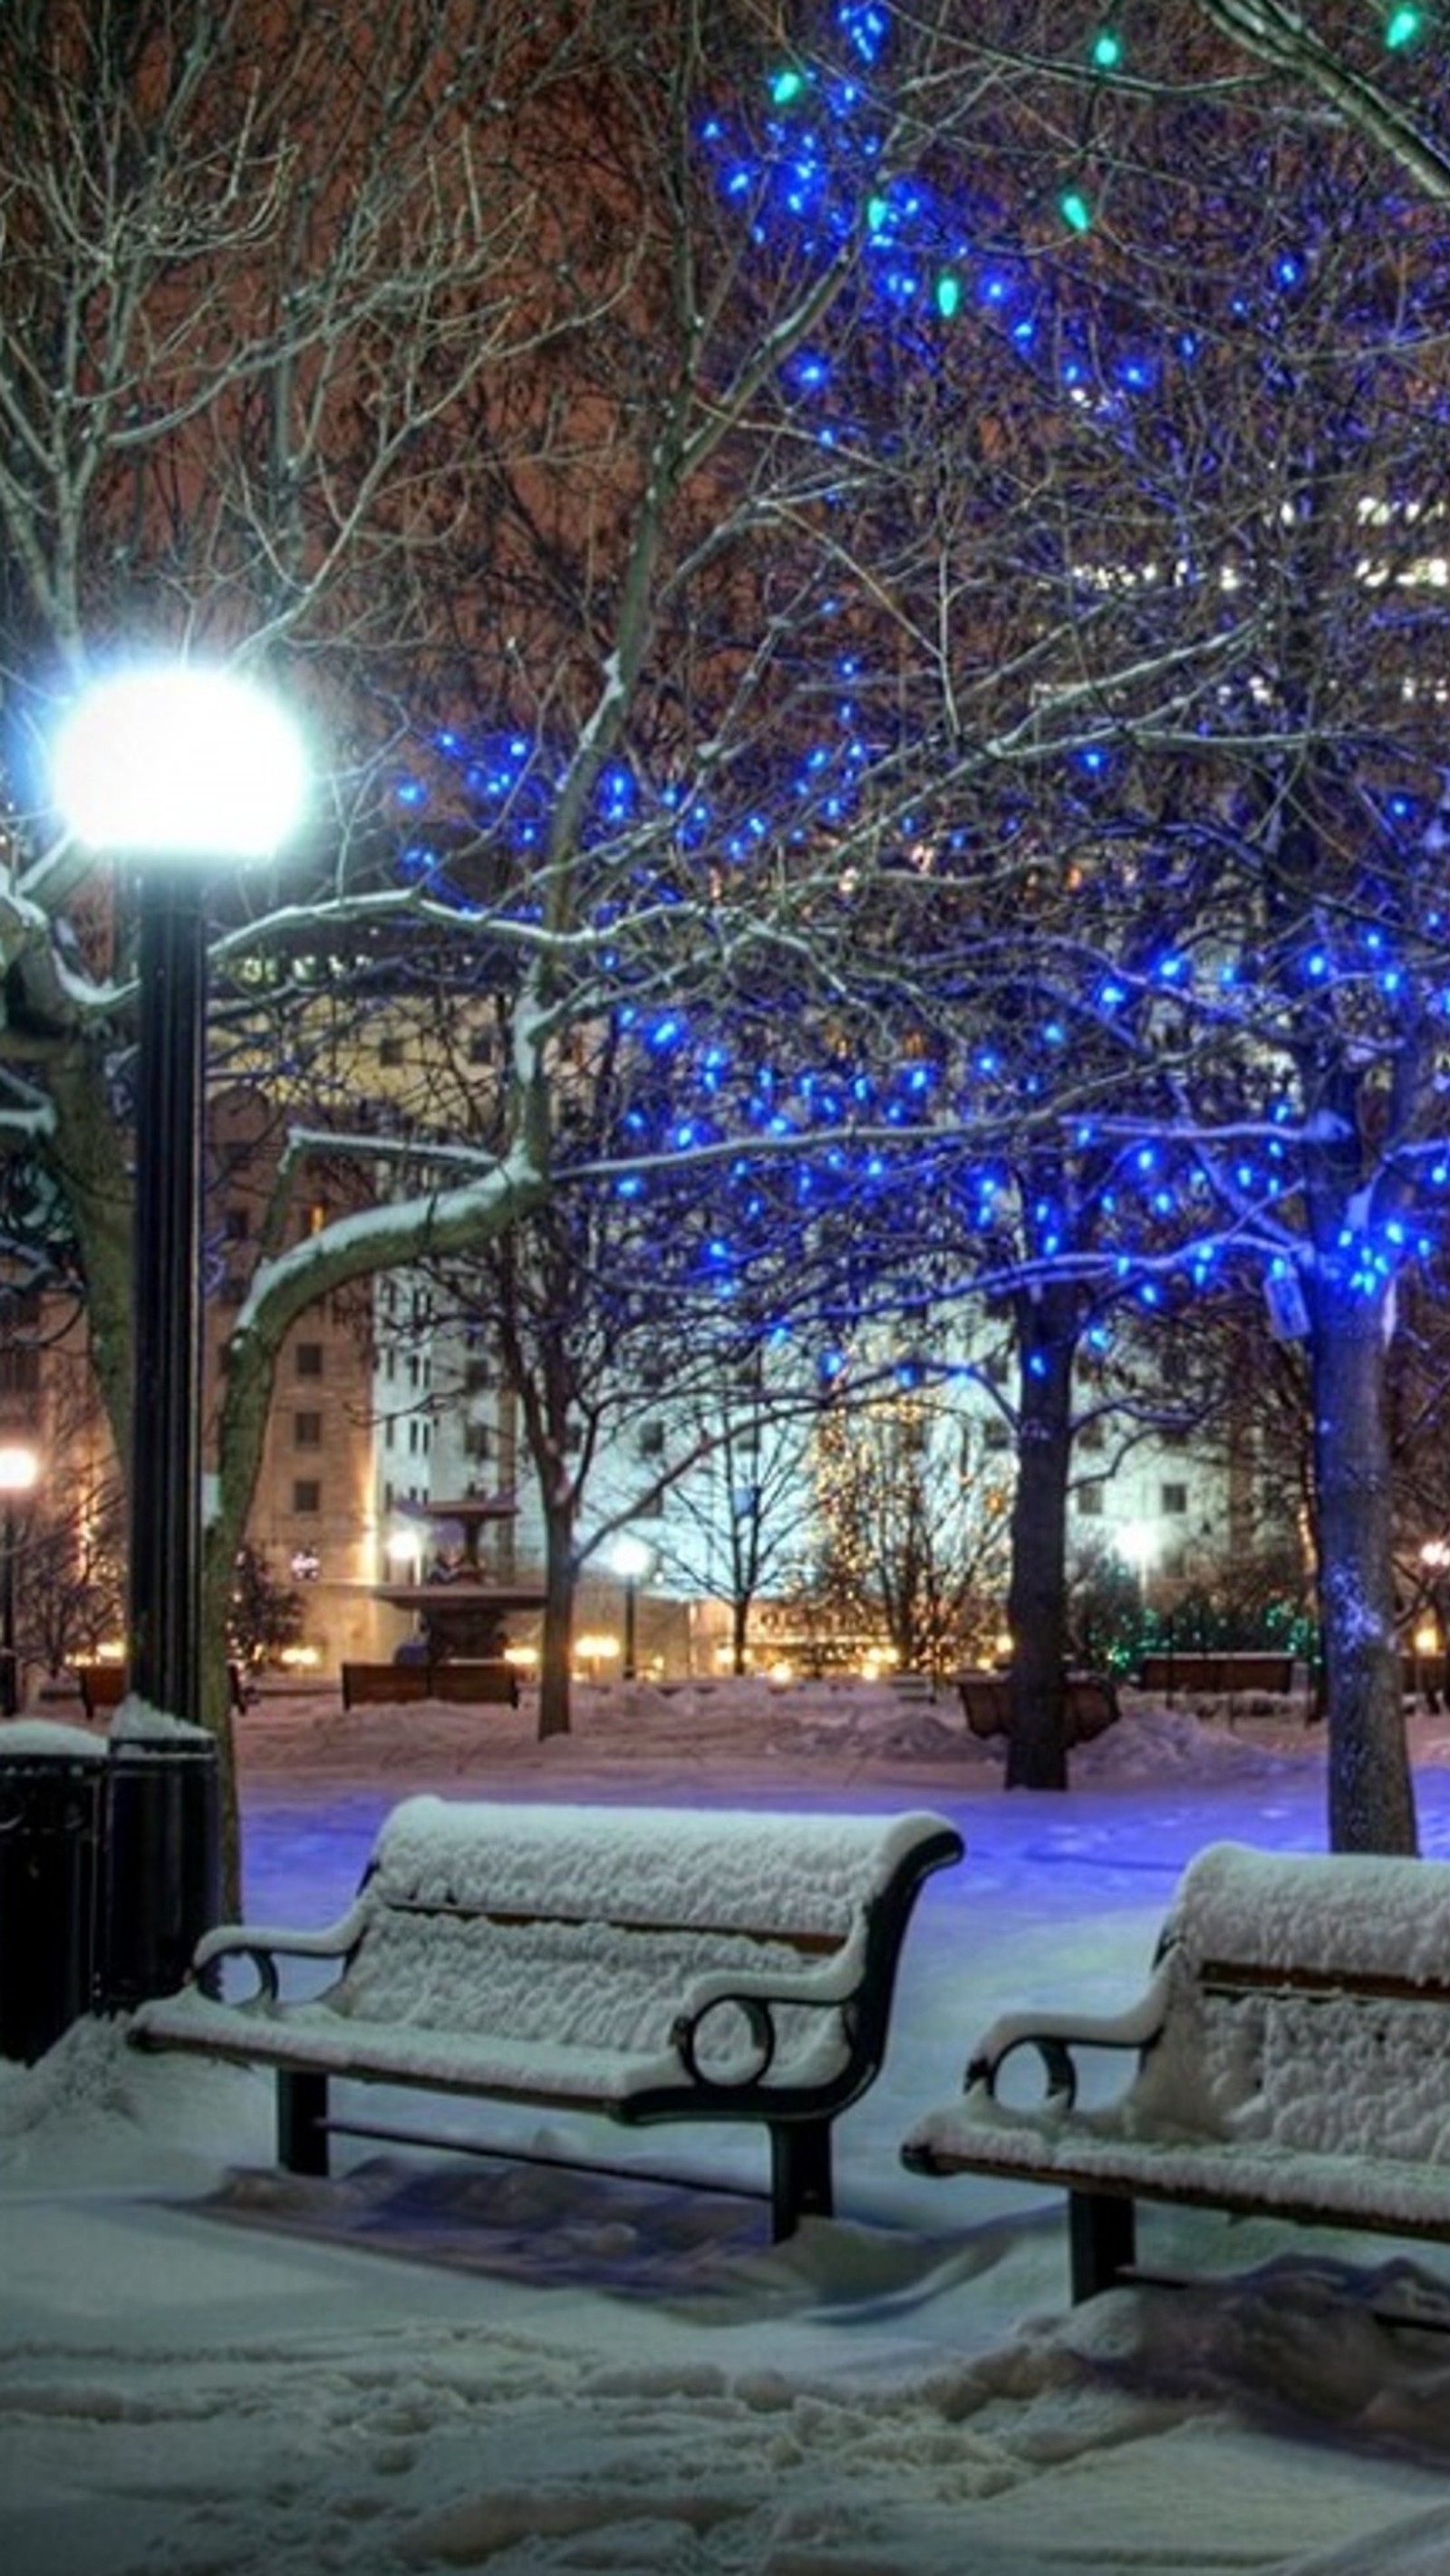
(52, 1821)
(163, 1860)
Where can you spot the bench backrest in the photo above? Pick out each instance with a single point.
(1228, 1670)
(588, 1926)
(1309, 2003)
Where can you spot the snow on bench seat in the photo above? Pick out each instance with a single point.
(642, 1962)
(1293, 2061)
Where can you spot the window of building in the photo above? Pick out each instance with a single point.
(651, 1440)
(307, 1430)
(1090, 1502)
(996, 1435)
(1172, 1498)
(306, 1497)
(1091, 1435)
(308, 1360)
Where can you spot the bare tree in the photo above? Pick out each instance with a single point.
(419, 361)
(912, 1525)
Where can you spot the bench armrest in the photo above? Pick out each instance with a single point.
(1055, 2036)
(264, 1944)
(755, 1992)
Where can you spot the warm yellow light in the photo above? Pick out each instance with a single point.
(1427, 1640)
(524, 1656)
(19, 1468)
(302, 1657)
(596, 1650)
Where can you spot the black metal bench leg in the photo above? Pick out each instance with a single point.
(1101, 2240)
(800, 2174)
(301, 2120)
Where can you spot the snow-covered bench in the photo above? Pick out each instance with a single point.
(646, 1963)
(1293, 2053)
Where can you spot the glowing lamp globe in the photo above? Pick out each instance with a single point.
(179, 761)
(19, 1468)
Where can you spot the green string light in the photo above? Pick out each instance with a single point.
(948, 295)
(1075, 210)
(1105, 53)
(787, 86)
(1402, 27)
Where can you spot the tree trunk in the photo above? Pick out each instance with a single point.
(557, 1655)
(1037, 1592)
(1371, 1794)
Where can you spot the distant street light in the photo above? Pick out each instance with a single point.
(1433, 1649)
(1137, 1545)
(173, 769)
(403, 1549)
(19, 1468)
(633, 1560)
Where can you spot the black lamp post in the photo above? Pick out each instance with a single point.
(19, 1468)
(165, 1529)
(174, 770)
(633, 1562)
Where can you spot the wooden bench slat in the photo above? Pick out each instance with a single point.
(810, 1944)
(1251, 1976)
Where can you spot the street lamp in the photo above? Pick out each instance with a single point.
(19, 1468)
(172, 769)
(633, 1560)
(1434, 1649)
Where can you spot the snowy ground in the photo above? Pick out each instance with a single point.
(435, 2364)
